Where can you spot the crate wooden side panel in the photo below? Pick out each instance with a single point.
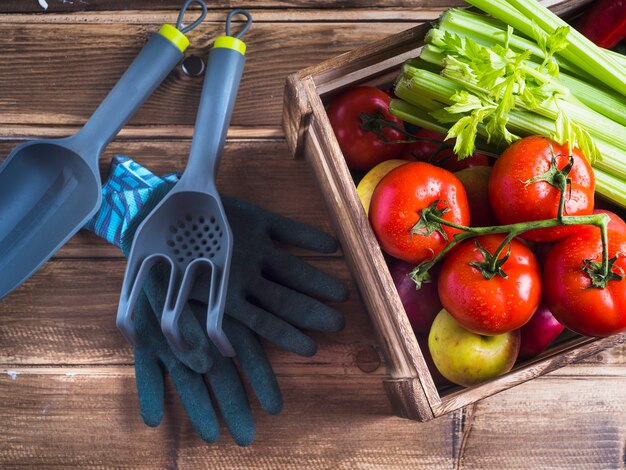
(296, 114)
(396, 337)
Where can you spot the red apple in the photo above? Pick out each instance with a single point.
(421, 306)
(538, 333)
(476, 181)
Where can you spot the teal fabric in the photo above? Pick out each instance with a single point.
(271, 293)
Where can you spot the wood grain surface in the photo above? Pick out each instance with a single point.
(67, 392)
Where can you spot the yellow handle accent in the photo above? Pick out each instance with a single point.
(177, 38)
(230, 42)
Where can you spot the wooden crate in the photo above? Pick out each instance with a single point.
(409, 383)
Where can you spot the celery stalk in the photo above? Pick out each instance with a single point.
(489, 31)
(611, 187)
(598, 125)
(415, 115)
(521, 14)
(418, 115)
(608, 103)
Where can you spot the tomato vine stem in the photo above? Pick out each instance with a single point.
(429, 216)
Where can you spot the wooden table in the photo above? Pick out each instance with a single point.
(67, 391)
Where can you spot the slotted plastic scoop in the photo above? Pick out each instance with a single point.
(188, 229)
(49, 188)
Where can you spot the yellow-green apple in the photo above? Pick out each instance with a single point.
(467, 358)
(538, 333)
(368, 184)
(476, 182)
(439, 380)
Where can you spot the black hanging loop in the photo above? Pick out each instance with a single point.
(238, 11)
(186, 5)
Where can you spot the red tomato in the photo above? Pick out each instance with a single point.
(490, 306)
(364, 149)
(429, 149)
(569, 295)
(513, 200)
(615, 223)
(398, 200)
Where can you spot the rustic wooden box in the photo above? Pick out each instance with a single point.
(409, 384)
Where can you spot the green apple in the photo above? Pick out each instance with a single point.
(467, 358)
(368, 184)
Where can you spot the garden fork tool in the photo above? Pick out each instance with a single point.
(188, 229)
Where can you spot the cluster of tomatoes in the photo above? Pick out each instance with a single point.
(489, 283)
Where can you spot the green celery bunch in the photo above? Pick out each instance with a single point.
(488, 86)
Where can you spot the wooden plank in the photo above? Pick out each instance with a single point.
(23, 6)
(71, 418)
(272, 15)
(248, 169)
(26, 132)
(360, 7)
(551, 422)
(88, 417)
(65, 314)
(56, 79)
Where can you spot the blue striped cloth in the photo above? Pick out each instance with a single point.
(123, 194)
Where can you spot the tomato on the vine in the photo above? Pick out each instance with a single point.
(568, 285)
(431, 147)
(524, 185)
(490, 305)
(358, 118)
(398, 201)
(615, 223)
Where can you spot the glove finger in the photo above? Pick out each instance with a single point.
(291, 271)
(197, 356)
(231, 398)
(195, 398)
(149, 380)
(298, 309)
(281, 229)
(294, 233)
(255, 365)
(272, 328)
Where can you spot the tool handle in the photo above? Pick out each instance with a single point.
(155, 61)
(219, 92)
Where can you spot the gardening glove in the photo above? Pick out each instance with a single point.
(119, 216)
(270, 290)
(223, 379)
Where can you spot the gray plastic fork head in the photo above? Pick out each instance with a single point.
(187, 230)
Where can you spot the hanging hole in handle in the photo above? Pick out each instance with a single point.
(183, 10)
(193, 66)
(229, 18)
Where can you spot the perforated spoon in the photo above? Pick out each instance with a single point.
(188, 229)
(49, 188)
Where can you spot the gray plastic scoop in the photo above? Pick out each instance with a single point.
(49, 188)
(188, 229)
